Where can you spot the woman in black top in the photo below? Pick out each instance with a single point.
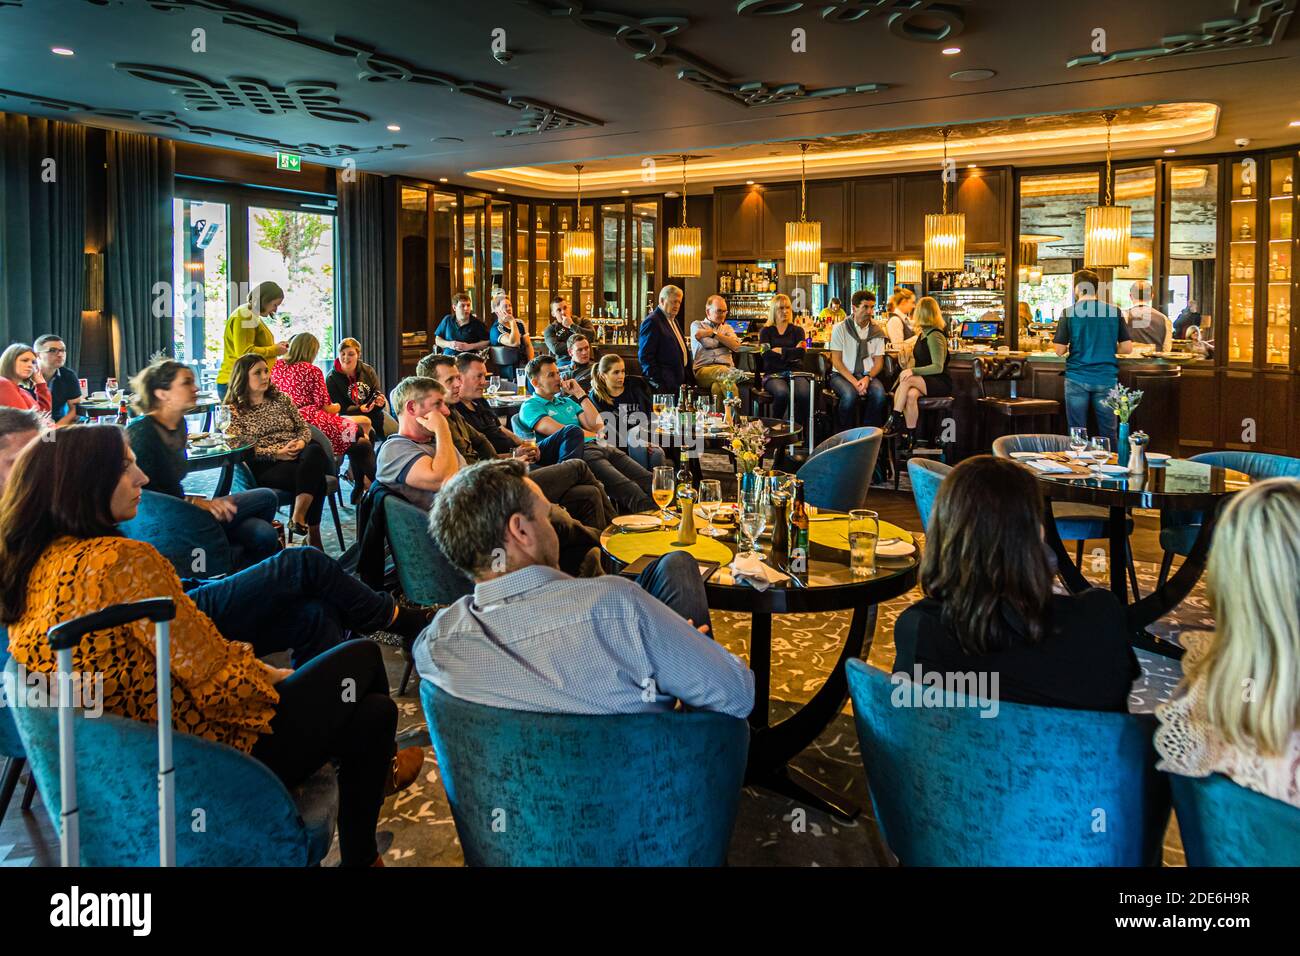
(928, 375)
(781, 341)
(613, 390)
(164, 392)
(354, 386)
(989, 607)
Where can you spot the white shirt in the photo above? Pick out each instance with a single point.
(896, 329)
(842, 342)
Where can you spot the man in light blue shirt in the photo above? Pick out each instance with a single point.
(532, 638)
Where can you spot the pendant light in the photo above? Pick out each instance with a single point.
(823, 275)
(684, 243)
(578, 245)
(907, 271)
(1107, 228)
(945, 233)
(803, 239)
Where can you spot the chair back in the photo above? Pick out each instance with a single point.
(502, 356)
(926, 475)
(533, 789)
(11, 744)
(839, 438)
(1011, 370)
(247, 816)
(1005, 445)
(318, 437)
(426, 576)
(1254, 463)
(517, 426)
(840, 477)
(1031, 786)
(191, 539)
(1224, 824)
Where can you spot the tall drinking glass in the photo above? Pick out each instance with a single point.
(710, 500)
(753, 514)
(663, 486)
(864, 532)
(521, 381)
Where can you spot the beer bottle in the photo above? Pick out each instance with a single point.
(798, 522)
(122, 415)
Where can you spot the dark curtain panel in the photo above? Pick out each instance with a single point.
(141, 170)
(362, 272)
(42, 229)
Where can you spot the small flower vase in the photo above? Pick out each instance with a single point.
(746, 482)
(1122, 451)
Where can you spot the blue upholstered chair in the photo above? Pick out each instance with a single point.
(11, 746)
(926, 476)
(426, 576)
(248, 819)
(178, 529)
(1074, 522)
(838, 475)
(1027, 787)
(1224, 824)
(517, 426)
(531, 789)
(1178, 529)
(244, 480)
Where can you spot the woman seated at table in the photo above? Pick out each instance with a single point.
(782, 343)
(284, 456)
(611, 391)
(21, 383)
(61, 556)
(1237, 711)
(297, 377)
(354, 387)
(164, 392)
(989, 606)
(928, 375)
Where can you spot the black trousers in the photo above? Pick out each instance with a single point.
(362, 457)
(337, 707)
(304, 475)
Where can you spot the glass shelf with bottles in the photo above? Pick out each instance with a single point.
(1243, 236)
(982, 274)
(1281, 212)
(757, 279)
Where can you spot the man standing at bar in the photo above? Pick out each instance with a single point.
(713, 343)
(661, 350)
(1147, 324)
(1091, 332)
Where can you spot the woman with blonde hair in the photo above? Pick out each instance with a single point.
(928, 375)
(298, 377)
(354, 386)
(246, 333)
(1237, 711)
(781, 342)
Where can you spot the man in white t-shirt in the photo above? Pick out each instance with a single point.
(1147, 324)
(857, 351)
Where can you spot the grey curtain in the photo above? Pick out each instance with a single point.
(42, 229)
(362, 271)
(141, 172)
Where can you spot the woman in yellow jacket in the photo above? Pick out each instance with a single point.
(246, 332)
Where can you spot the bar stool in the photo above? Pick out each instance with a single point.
(760, 400)
(1011, 407)
(931, 409)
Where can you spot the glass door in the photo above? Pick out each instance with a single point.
(1243, 234)
(1281, 248)
(1189, 293)
(613, 255)
(645, 222)
(295, 249)
(413, 268)
(202, 299)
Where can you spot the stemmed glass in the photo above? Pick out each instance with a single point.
(494, 386)
(753, 515)
(1099, 447)
(663, 487)
(710, 501)
(1078, 440)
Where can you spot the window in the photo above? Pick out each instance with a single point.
(295, 249)
(200, 277)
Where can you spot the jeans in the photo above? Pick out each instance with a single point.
(564, 445)
(1079, 397)
(300, 600)
(675, 580)
(574, 485)
(779, 389)
(251, 528)
(314, 723)
(874, 402)
(626, 482)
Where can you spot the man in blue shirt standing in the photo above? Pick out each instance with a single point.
(1091, 332)
(461, 331)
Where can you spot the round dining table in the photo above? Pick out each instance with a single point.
(1179, 485)
(824, 583)
(200, 457)
(205, 406)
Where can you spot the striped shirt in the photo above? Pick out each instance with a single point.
(538, 640)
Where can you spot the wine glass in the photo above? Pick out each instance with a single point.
(1078, 440)
(494, 386)
(1099, 447)
(710, 501)
(753, 515)
(663, 487)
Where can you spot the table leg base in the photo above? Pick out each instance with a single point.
(798, 786)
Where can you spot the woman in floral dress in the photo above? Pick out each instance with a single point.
(297, 377)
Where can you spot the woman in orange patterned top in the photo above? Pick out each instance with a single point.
(61, 556)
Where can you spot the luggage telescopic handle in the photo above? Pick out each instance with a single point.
(69, 633)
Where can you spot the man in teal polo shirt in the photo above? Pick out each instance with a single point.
(1091, 332)
(557, 403)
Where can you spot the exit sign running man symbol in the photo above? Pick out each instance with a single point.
(288, 161)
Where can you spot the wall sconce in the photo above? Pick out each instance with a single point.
(92, 288)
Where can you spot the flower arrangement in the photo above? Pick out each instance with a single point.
(1122, 401)
(733, 377)
(748, 443)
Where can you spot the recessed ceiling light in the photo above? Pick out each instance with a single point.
(749, 182)
(501, 189)
(61, 51)
(1171, 151)
(972, 166)
(972, 76)
(951, 50)
(1294, 123)
(625, 191)
(394, 128)
(442, 179)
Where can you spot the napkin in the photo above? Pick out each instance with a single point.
(759, 575)
(1049, 467)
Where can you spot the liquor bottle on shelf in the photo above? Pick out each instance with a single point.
(1247, 188)
(1244, 232)
(771, 281)
(1235, 352)
(1288, 185)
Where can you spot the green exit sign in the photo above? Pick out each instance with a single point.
(288, 161)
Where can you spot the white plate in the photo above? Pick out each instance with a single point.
(1157, 459)
(897, 549)
(1113, 469)
(1026, 455)
(637, 522)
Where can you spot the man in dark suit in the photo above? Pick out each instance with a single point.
(661, 348)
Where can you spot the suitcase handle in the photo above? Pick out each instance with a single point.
(69, 633)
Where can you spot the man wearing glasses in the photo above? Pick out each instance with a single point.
(65, 389)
